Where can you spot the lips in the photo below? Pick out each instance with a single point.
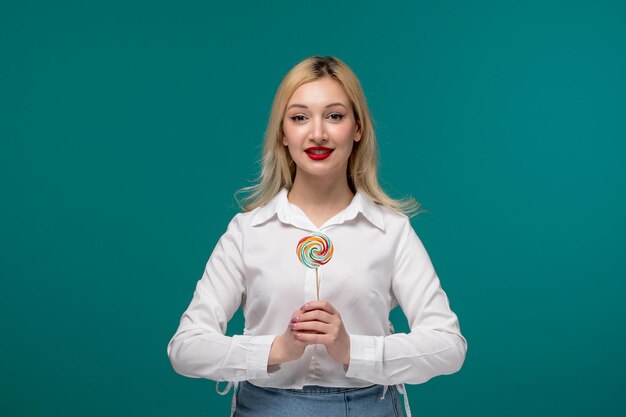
(317, 153)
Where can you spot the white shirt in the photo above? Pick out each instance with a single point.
(378, 263)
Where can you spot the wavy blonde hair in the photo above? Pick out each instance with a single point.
(278, 169)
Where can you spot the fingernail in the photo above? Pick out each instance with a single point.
(304, 306)
(295, 319)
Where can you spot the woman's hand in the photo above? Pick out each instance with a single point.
(317, 322)
(285, 347)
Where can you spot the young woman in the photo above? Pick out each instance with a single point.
(300, 356)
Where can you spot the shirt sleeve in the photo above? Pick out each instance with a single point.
(434, 345)
(199, 348)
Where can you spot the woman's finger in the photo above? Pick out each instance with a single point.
(314, 315)
(311, 338)
(319, 305)
(314, 326)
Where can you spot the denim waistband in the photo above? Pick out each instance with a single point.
(317, 389)
(311, 390)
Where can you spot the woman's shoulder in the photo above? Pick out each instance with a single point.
(245, 220)
(264, 211)
(245, 217)
(391, 219)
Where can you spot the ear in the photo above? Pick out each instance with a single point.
(358, 134)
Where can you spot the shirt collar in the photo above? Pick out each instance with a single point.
(280, 206)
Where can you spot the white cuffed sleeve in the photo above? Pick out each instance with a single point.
(434, 345)
(199, 348)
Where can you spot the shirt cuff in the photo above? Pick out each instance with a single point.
(258, 355)
(362, 356)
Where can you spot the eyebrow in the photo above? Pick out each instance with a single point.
(305, 107)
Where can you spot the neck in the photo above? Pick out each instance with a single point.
(320, 193)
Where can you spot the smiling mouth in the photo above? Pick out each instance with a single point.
(318, 153)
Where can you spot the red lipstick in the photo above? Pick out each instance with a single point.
(318, 153)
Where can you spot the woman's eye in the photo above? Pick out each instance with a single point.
(336, 116)
(297, 118)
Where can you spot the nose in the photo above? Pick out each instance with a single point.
(318, 131)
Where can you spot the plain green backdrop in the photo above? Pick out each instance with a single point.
(126, 127)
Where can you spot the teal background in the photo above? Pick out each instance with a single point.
(126, 127)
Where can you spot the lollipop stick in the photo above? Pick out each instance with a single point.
(317, 284)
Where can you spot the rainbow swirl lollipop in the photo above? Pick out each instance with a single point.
(313, 251)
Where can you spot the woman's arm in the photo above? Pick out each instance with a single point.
(199, 348)
(434, 345)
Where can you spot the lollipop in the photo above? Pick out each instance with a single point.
(313, 251)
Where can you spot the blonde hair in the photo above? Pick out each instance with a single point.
(278, 169)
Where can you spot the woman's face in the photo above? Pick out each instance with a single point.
(319, 129)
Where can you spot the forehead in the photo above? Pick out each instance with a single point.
(319, 92)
